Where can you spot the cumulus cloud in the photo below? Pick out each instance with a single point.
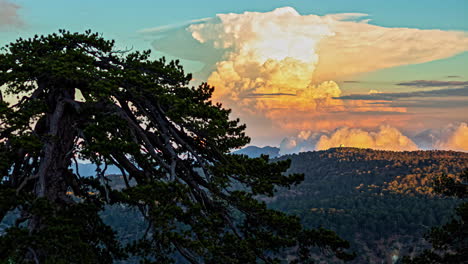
(374, 92)
(285, 67)
(304, 141)
(385, 138)
(270, 61)
(9, 14)
(339, 45)
(454, 136)
(268, 53)
(457, 138)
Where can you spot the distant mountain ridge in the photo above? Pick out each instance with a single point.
(89, 169)
(255, 152)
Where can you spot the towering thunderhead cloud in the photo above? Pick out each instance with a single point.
(285, 66)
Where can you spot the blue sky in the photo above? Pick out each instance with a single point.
(121, 20)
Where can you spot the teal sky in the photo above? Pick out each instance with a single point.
(122, 21)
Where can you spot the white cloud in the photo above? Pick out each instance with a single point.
(451, 137)
(164, 28)
(358, 47)
(298, 57)
(304, 141)
(458, 140)
(284, 67)
(385, 138)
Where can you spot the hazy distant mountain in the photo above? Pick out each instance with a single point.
(89, 169)
(254, 151)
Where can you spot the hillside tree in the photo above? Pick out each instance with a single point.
(449, 241)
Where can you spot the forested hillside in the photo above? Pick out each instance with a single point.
(381, 201)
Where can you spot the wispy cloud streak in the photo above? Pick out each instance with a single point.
(433, 83)
(9, 14)
(165, 28)
(393, 96)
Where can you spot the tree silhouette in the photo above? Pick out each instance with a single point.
(77, 97)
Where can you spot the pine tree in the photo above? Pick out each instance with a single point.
(79, 98)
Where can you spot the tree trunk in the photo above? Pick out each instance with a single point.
(58, 136)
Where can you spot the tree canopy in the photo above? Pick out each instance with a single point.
(450, 241)
(80, 98)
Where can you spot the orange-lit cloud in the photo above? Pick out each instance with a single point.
(329, 121)
(284, 66)
(453, 137)
(385, 138)
(280, 70)
(9, 14)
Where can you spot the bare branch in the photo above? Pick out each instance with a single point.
(34, 254)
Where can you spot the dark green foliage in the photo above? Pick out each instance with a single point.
(386, 216)
(78, 97)
(382, 202)
(450, 241)
(451, 186)
(73, 235)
